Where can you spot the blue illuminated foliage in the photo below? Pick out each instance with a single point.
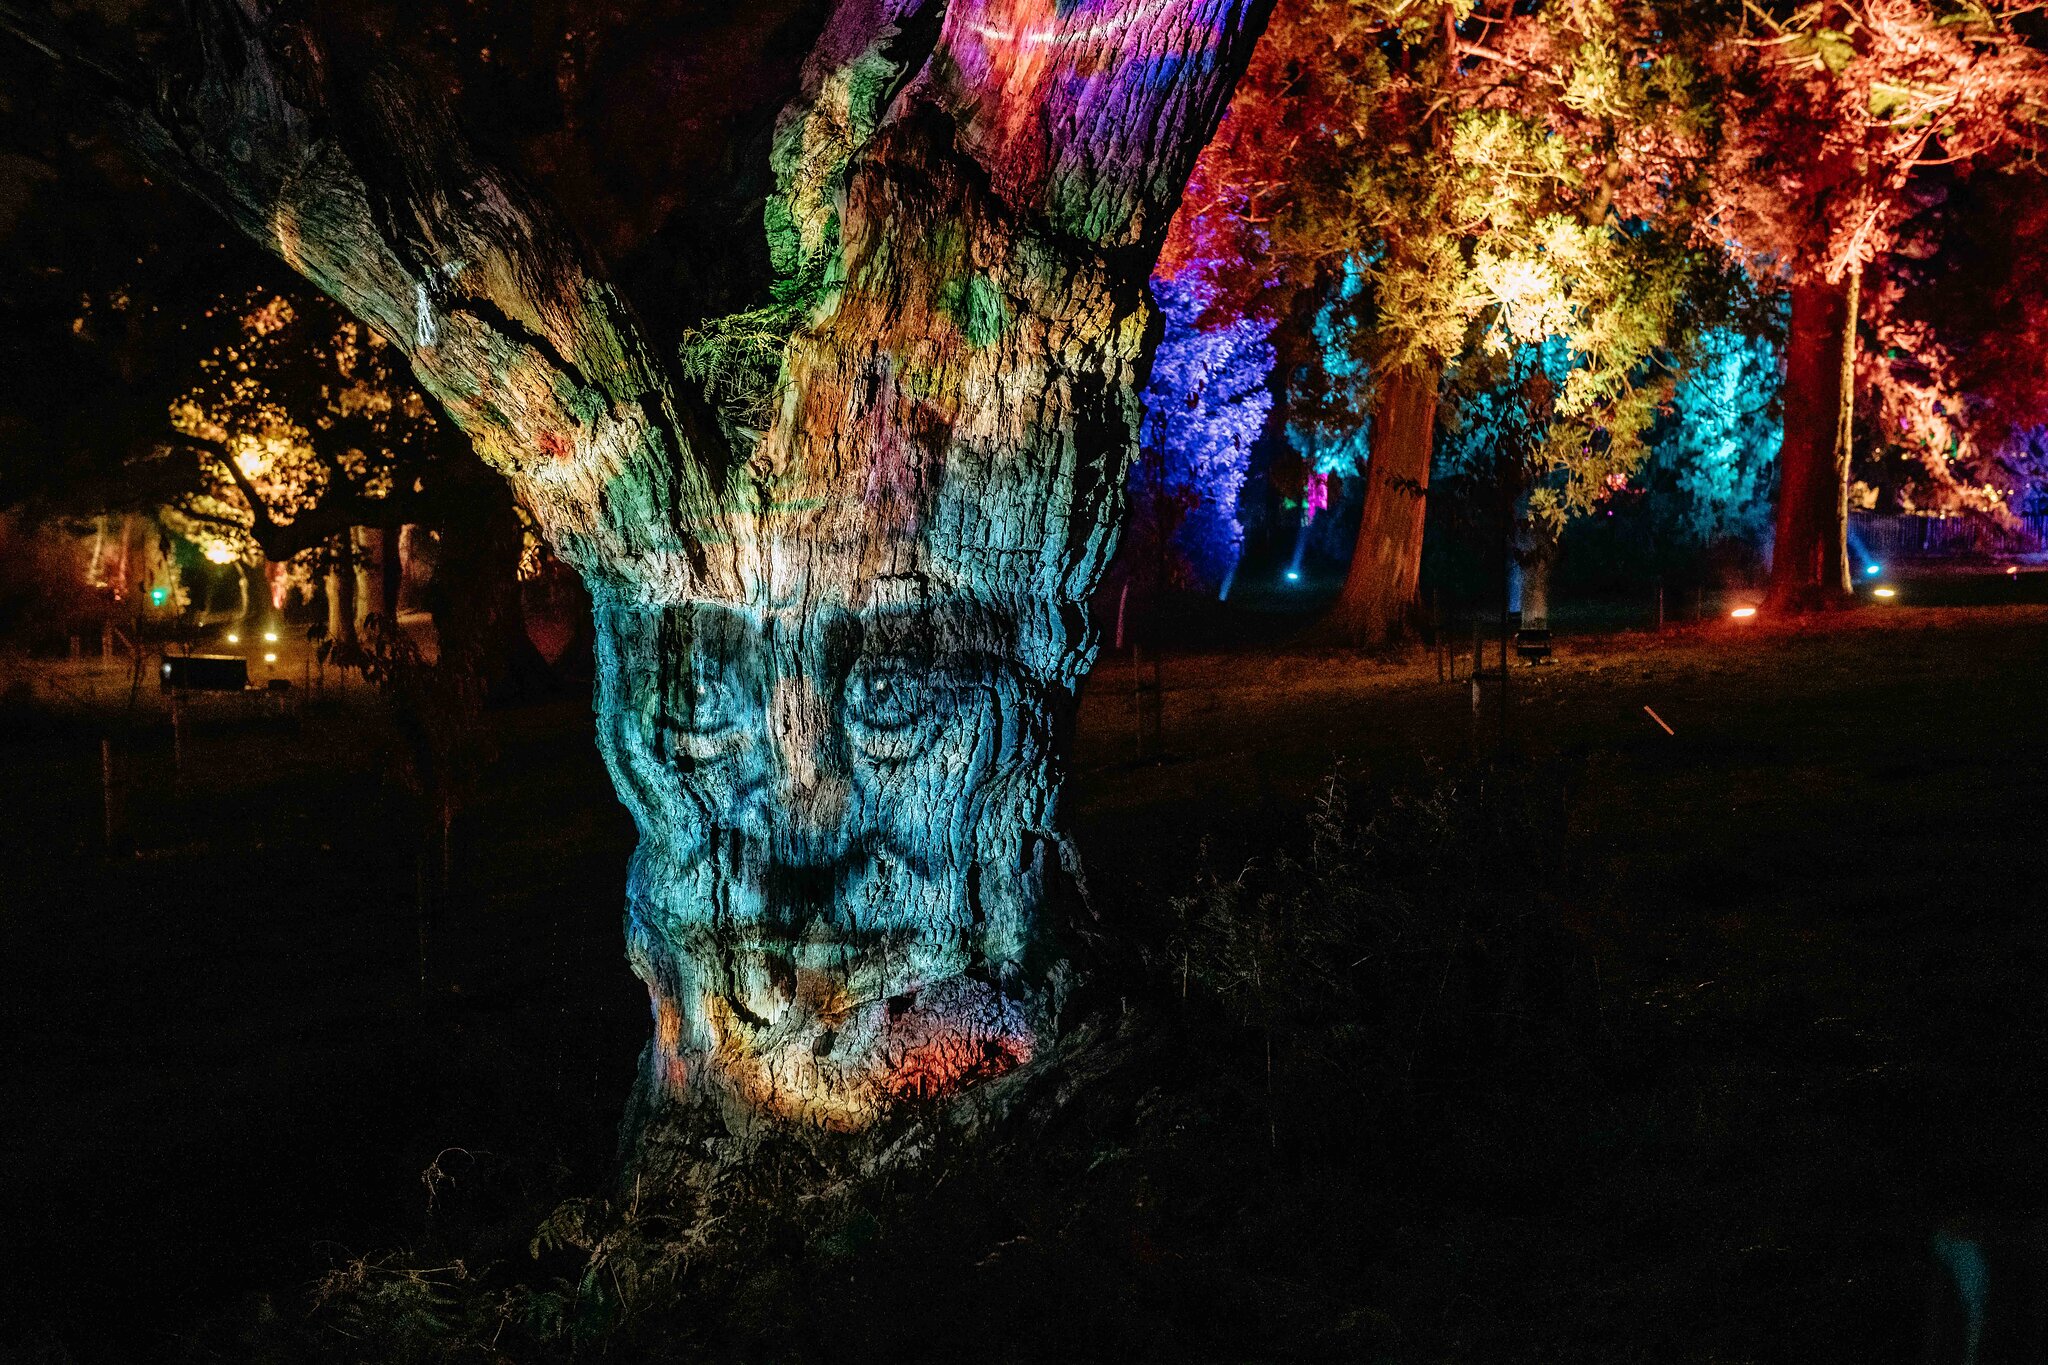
(1502, 407)
(1206, 403)
(1329, 420)
(1718, 451)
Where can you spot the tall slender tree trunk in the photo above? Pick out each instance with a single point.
(341, 600)
(1536, 564)
(366, 560)
(1380, 590)
(1845, 430)
(1810, 557)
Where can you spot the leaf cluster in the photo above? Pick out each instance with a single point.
(1497, 177)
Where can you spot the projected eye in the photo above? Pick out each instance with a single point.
(711, 705)
(713, 712)
(885, 700)
(890, 709)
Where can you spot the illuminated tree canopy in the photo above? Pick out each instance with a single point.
(1837, 118)
(1460, 184)
(306, 429)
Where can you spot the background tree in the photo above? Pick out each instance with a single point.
(308, 434)
(1471, 176)
(1832, 118)
(119, 335)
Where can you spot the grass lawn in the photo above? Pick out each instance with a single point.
(1812, 921)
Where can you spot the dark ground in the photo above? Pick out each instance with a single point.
(1814, 920)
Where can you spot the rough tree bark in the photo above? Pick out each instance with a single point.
(1810, 556)
(1386, 567)
(836, 661)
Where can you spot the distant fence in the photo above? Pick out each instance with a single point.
(1906, 536)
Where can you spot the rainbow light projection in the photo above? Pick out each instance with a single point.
(841, 611)
(835, 708)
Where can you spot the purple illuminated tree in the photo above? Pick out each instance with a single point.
(1206, 403)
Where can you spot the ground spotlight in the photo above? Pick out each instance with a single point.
(271, 636)
(1884, 592)
(270, 658)
(1743, 613)
(233, 638)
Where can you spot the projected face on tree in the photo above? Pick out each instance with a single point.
(839, 875)
(830, 693)
(841, 610)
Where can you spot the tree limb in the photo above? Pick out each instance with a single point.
(365, 186)
(334, 514)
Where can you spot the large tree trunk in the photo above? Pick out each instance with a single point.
(1386, 567)
(1810, 556)
(1536, 565)
(836, 663)
(474, 596)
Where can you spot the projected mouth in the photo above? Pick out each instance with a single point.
(836, 1062)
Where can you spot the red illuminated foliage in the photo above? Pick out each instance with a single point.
(1953, 396)
(1833, 113)
(1837, 117)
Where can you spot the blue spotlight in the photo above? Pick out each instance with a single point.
(1873, 569)
(1293, 575)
